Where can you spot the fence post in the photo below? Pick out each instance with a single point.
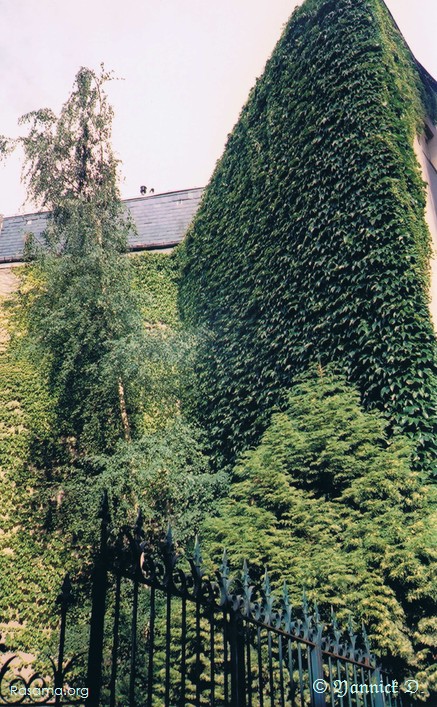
(378, 697)
(99, 586)
(318, 699)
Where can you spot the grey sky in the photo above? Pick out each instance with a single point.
(187, 67)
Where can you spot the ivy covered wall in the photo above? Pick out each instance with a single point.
(37, 546)
(310, 244)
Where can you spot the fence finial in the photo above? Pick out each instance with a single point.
(169, 537)
(245, 579)
(65, 596)
(197, 556)
(366, 642)
(266, 584)
(224, 567)
(139, 522)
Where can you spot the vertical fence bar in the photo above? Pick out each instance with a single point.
(183, 651)
(318, 699)
(310, 675)
(198, 664)
(379, 698)
(225, 657)
(358, 701)
(134, 639)
(249, 666)
(333, 700)
(151, 648)
(281, 672)
(260, 667)
(114, 656)
(347, 673)
(291, 688)
(167, 649)
(212, 655)
(270, 659)
(300, 667)
(363, 682)
(238, 681)
(340, 696)
(98, 599)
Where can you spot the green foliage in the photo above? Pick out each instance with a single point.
(69, 159)
(30, 572)
(156, 278)
(310, 243)
(327, 502)
(95, 341)
(83, 320)
(155, 284)
(50, 498)
(165, 473)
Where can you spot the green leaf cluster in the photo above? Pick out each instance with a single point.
(83, 321)
(31, 570)
(50, 495)
(94, 332)
(310, 243)
(329, 503)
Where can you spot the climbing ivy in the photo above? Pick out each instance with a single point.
(49, 520)
(310, 243)
(156, 282)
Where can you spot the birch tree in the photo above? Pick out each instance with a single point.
(83, 317)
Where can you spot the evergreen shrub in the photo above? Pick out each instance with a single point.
(329, 503)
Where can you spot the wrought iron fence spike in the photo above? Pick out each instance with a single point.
(169, 536)
(224, 580)
(104, 507)
(365, 639)
(245, 575)
(197, 554)
(139, 521)
(65, 595)
(334, 619)
(266, 584)
(224, 567)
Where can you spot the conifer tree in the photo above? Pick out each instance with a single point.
(327, 502)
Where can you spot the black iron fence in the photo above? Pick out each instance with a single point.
(165, 633)
(195, 639)
(44, 680)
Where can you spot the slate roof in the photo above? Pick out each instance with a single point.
(161, 220)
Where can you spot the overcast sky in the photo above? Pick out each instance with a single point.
(187, 65)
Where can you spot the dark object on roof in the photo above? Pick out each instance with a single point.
(161, 221)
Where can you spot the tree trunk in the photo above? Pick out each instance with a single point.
(124, 417)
